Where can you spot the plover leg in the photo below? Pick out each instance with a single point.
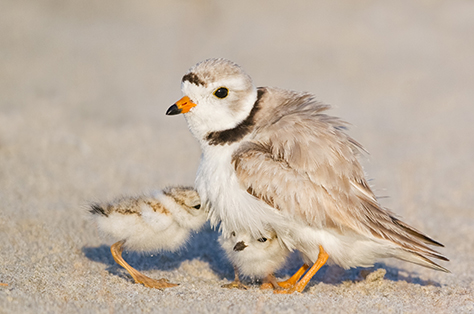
(117, 249)
(270, 282)
(290, 282)
(236, 284)
(299, 287)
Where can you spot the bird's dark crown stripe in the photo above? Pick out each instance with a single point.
(193, 79)
(237, 133)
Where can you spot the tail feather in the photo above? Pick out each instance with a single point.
(417, 258)
(418, 234)
(412, 244)
(97, 209)
(407, 238)
(435, 255)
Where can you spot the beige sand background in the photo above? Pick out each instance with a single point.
(84, 86)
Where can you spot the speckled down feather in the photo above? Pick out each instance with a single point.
(162, 220)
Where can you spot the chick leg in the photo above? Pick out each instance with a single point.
(3, 284)
(117, 250)
(271, 282)
(236, 284)
(322, 259)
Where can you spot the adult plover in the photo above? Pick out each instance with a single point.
(273, 157)
(161, 221)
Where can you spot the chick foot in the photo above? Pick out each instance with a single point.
(236, 284)
(148, 282)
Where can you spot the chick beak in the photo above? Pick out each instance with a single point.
(181, 106)
(240, 246)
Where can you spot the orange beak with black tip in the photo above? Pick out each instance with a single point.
(181, 106)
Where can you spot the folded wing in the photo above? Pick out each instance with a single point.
(304, 164)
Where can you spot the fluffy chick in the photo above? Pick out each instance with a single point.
(163, 220)
(255, 258)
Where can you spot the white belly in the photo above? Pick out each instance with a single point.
(235, 209)
(229, 203)
(348, 250)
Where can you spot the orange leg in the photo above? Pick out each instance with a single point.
(290, 282)
(117, 250)
(299, 287)
(270, 282)
(3, 284)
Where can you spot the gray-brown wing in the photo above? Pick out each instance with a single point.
(304, 163)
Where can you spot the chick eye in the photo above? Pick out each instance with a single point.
(221, 92)
(233, 233)
(197, 206)
(262, 240)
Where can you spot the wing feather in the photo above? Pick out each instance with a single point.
(302, 162)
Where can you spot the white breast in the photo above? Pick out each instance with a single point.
(230, 204)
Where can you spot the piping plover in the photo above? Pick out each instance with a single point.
(255, 258)
(273, 157)
(161, 221)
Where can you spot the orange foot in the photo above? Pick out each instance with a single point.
(269, 285)
(148, 282)
(299, 287)
(152, 283)
(287, 284)
(3, 284)
(270, 282)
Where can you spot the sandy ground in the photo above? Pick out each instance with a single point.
(84, 86)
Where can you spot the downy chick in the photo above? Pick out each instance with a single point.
(163, 220)
(255, 258)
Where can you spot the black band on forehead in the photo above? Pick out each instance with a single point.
(193, 79)
(237, 133)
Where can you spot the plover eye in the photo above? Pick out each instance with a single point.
(262, 240)
(197, 206)
(233, 233)
(221, 92)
